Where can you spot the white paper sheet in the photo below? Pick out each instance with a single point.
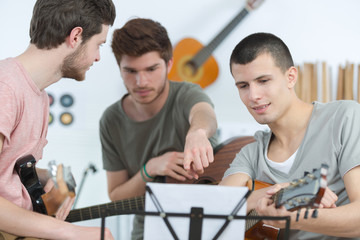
(180, 198)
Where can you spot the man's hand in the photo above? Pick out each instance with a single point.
(329, 199)
(266, 206)
(198, 152)
(169, 164)
(65, 207)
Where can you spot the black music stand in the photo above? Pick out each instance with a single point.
(196, 218)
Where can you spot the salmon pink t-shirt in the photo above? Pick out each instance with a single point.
(24, 113)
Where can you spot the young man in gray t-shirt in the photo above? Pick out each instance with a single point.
(302, 137)
(159, 128)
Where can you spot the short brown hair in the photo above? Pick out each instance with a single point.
(53, 20)
(139, 36)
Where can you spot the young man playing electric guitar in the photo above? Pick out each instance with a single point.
(302, 137)
(65, 37)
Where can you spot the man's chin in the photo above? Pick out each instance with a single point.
(78, 77)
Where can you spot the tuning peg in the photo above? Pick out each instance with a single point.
(314, 214)
(297, 215)
(306, 213)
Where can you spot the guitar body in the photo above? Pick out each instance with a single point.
(44, 203)
(183, 52)
(224, 154)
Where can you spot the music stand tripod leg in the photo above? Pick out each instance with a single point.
(161, 211)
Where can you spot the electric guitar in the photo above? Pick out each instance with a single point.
(45, 203)
(64, 185)
(194, 63)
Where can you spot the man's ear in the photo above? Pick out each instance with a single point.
(170, 64)
(75, 37)
(292, 74)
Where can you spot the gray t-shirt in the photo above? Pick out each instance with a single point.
(128, 145)
(332, 137)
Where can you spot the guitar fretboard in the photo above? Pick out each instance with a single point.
(127, 206)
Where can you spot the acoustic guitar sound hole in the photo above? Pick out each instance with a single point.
(205, 180)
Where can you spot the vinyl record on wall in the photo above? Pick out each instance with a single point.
(51, 118)
(66, 100)
(66, 118)
(51, 99)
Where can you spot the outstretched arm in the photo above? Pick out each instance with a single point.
(198, 150)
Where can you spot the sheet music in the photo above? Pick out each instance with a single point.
(179, 198)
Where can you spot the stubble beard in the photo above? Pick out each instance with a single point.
(159, 93)
(71, 67)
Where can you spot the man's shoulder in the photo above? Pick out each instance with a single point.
(179, 86)
(6, 68)
(111, 110)
(339, 107)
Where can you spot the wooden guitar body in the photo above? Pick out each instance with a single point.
(257, 230)
(183, 52)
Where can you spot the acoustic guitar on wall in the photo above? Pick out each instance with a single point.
(194, 63)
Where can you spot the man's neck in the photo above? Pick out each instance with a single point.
(289, 131)
(44, 66)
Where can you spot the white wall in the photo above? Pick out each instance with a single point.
(321, 30)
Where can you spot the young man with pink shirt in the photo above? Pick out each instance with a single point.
(65, 37)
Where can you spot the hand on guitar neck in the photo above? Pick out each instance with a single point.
(299, 199)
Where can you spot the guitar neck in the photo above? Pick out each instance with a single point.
(126, 206)
(205, 52)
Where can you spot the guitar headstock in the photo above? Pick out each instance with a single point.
(253, 4)
(305, 192)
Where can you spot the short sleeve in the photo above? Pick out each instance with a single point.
(191, 94)
(347, 136)
(7, 110)
(110, 156)
(242, 162)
